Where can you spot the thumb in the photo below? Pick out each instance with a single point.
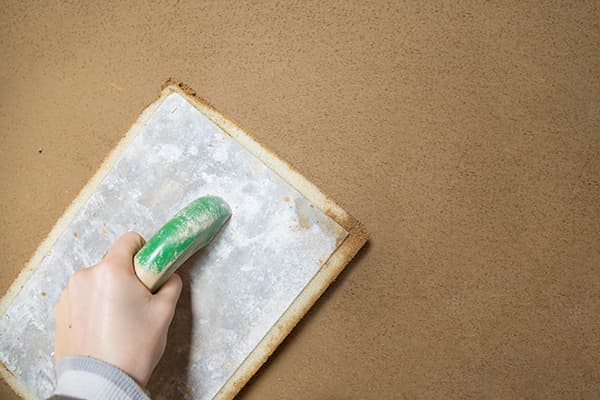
(123, 250)
(169, 293)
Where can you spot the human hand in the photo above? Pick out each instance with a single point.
(106, 313)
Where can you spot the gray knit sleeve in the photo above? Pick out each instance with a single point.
(88, 378)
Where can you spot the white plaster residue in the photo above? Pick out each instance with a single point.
(220, 154)
(168, 152)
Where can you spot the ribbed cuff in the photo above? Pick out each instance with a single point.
(88, 378)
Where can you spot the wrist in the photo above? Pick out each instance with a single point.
(86, 377)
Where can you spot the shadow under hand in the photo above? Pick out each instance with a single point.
(169, 380)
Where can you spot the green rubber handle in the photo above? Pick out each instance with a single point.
(192, 228)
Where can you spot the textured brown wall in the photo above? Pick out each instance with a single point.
(465, 136)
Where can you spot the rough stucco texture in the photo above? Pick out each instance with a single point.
(464, 135)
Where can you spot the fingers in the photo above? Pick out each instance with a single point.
(169, 293)
(123, 250)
